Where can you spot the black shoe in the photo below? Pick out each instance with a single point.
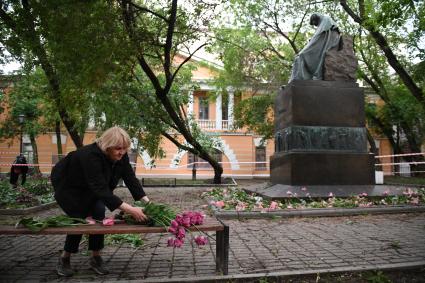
(63, 268)
(96, 263)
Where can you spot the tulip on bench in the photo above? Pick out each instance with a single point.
(209, 225)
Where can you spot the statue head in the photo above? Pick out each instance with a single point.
(315, 19)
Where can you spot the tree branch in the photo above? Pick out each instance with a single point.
(178, 144)
(169, 44)
(145, 9)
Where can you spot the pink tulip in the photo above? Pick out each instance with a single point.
(181, 233)
(201, 240)
(219, 204)
(273, 205)
(172, 230)
(178, 243)
(415, 201)
(186, 222)
(108, 222)
(179, 219)
(174, 224)
(170, 242)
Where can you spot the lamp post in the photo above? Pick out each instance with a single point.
(21, 119)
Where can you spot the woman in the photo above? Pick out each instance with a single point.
(84, 182)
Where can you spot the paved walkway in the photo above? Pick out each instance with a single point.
(276, 246)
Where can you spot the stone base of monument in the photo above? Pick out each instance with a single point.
(320, 140)
(322, 168)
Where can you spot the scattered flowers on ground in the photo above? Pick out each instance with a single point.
(239, 200)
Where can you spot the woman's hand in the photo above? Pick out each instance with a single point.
(136, 212)
(146, 199)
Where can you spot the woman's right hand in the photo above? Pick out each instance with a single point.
(136, 212)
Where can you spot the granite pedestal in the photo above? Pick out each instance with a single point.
(320, 135)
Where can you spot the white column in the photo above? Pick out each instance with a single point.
(218, 113)
(230, 107)
(190, 104)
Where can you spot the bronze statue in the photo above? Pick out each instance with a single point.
(308, 63)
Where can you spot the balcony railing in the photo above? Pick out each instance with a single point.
(211, 124)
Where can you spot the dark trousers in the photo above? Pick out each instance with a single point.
(14, 178)
(96, 242)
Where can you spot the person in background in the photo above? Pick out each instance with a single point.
(19, 167)
(84, 182)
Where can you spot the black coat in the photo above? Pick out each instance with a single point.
(87, 175)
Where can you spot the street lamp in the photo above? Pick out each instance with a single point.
(21, 119)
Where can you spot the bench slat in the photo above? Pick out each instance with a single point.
(209, 225)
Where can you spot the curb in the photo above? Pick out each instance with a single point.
(233, 184)
(25, 211)
(317, 212)
(282, 274)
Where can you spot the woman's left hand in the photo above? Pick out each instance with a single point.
(146, 199)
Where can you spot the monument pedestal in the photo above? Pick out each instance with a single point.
(320, 135)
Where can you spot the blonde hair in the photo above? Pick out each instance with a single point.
(112, 137)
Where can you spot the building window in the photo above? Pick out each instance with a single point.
(260, 158)
(203, 108)
(217, 155)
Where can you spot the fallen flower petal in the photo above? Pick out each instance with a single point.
(90, 220)
(273, 205)
(219, 204)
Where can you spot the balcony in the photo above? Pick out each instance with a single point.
(211, 124)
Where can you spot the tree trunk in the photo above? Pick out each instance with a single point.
(35, 157)
(195, 160)
(415, 147)
(58, 138)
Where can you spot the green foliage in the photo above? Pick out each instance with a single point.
(376, 277)
(7, 194)
(36, 225)
(36, 191)
(134, 240)
(255, 113)
(158, 214)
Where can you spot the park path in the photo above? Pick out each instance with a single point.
(270, 246)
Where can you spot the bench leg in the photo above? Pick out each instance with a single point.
(222, 251)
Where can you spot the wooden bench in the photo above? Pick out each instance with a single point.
(210, 225)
